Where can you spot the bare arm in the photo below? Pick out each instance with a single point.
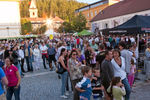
(80, 90)
(19, 78)
(5, 81)
(62, 63)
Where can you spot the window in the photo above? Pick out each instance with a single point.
(88, 15)
(33, 13)
(106, 25)
(91, 14)
(95, 13)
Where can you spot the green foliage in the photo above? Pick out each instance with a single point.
(79, 23)
(40, 30)
(76, 25)
(26, 26)
(64, 9)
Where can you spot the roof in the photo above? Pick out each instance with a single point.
(57, 19)
(123, 8)
(91, 4)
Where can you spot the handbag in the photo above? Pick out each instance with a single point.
(59, 69)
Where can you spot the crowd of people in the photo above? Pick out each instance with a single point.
(97, 66)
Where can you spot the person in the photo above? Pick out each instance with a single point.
(100, 56)
(97, 85)
(107, 72)
(147, 63)
(127, 55)
(81, 57)
(117, 89)
(118, 63)
(3, 80)
(92, 58)
(74, 72)
(51, 55)
(21, 55)
(43, 49)
(84, 86)
(94, 45)
(14, 79)
(37, 55)
(28, 55)
(63, 64)
(132, 73)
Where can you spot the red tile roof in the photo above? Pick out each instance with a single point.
(123, 8)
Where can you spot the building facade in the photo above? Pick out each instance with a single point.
(9, 18)
(119, 13)
(90, 11)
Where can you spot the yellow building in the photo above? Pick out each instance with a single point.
(91, 10)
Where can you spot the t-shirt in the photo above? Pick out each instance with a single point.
(43, 49)
(85, 84)
(81, 58)
(2, 74)
(95, 84)
(11, 75)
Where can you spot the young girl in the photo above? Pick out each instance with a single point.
(117, 89)
(132, 73)
(84, 86)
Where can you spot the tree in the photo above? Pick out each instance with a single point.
(79, 23)
(26, 26)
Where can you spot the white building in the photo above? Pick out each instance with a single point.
(9, 18)
(119, 13)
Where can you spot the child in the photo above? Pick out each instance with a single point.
(96, 85)
(117, 89)
(84, 87)
(132, 72)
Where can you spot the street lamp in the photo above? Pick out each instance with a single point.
(7, 30)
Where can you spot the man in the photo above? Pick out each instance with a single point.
(51, 55)
(100, 56)
(94, 45)
(43, 49)
(28, 55)
(127, 56)
(107, 72)
(3, 81)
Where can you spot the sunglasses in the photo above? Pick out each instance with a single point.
(74, 54)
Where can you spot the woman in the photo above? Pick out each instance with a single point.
(119, 71)
(14, 79)
(75, 72)
(63, 63)
(81, 57)
(37, 55)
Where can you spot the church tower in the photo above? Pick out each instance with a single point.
(33, 10)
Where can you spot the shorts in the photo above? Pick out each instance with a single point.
(52, 58)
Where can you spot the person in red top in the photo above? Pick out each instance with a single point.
(78, 42)
(14, 79)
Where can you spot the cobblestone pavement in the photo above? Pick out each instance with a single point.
(45, 85)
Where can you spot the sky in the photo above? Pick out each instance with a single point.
(88, 1)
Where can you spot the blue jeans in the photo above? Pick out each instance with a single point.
(19, 68)
(127, 88)
(44, 60)
(12, 90)
(63, 82)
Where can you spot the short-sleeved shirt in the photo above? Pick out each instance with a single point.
(2, 74)
(85, 84)
(11, 75)
(81, 58)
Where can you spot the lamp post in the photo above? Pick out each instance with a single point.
(7, 30)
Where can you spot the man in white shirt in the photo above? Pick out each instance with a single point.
(43, 50)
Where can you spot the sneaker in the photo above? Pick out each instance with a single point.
(63, 96)
(67, 93)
